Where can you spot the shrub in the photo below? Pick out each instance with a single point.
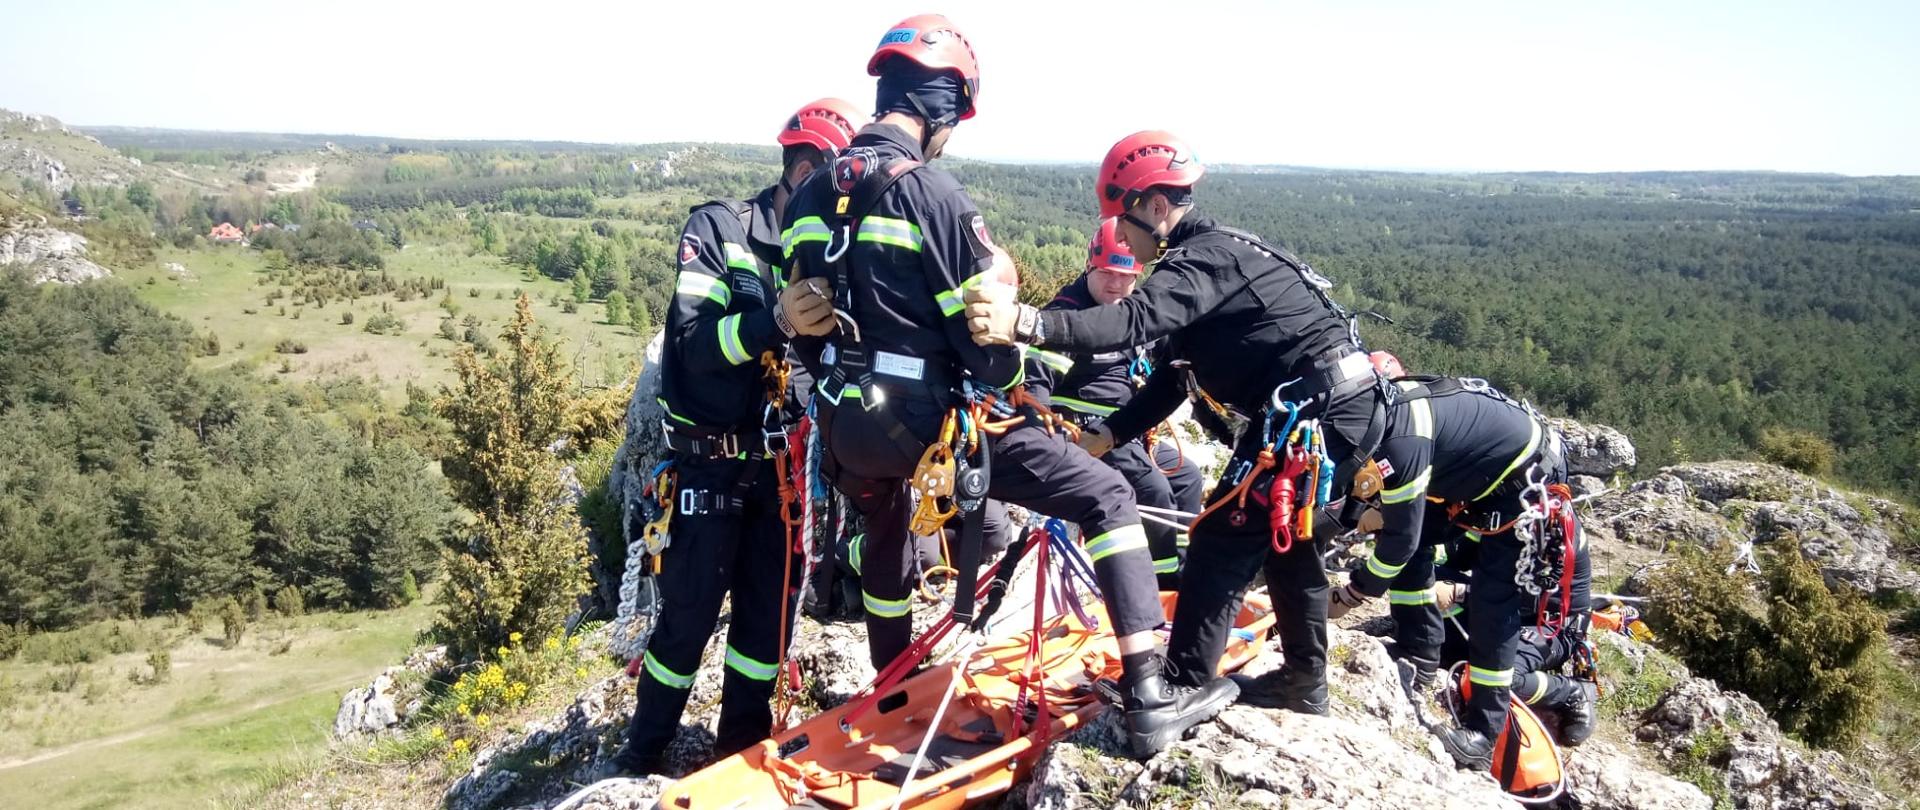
(289, 602)
(1797, 450)
(385, 324)
(233, 622)
(1812, 655)
(289, 346)
(11, 637)
(161, 662)
(449, 329)
(346, 318)
(256, 605)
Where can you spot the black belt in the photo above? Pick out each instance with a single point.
(704, 443)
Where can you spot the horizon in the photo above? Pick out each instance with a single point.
(1494, 86)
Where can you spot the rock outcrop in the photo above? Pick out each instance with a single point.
(1851, 537)
(382, 706)
(52, 255)
(1595, 450)
(1695, 722)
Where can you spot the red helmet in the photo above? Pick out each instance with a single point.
(827, 125)
(1139, 162)
(933, 42)
(1107, 252)
(1388, 365)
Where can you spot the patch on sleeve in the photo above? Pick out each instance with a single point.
(689, 248)
(975, 227)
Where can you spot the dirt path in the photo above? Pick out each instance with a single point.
(150, 730)
(305, 181)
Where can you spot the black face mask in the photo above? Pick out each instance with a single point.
(933, 95)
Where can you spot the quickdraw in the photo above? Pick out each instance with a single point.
(1303, 478)
(1547, 520)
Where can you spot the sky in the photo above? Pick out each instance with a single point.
(1460, 85)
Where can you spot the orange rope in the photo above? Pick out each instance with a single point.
(1265, 461)
(1180, 452)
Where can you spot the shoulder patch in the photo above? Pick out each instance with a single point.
(975, 227)
(689, 248)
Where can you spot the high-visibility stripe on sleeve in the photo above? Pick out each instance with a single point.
(701, 285)
(1496, 678)
(805, 229)
(949, 300)
(889, 231)
(885, 608)
(856, 552)
(1409, 490)
(1166, 565)
(1424, 596)
(1533, 443)
(730, 345)
(747, 665)
(1116, 541)
(1382, 569)
(1539, 687)
(1060, 363)
(1083, 406)
(738, 256)
(665, 676)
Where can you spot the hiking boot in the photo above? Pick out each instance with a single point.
(627, 764)
(1470, 749)
(1576, 715)
(1159, 711)
(1284, 688)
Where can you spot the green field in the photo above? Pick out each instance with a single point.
(224, 721)
(223, 292)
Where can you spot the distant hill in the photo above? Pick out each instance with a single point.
(40, 149)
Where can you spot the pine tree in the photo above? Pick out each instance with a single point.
(616, 307)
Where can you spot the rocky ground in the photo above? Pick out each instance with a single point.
(51, 255)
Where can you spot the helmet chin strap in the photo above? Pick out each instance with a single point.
(1142, 225)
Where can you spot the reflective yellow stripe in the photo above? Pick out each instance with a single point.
(1084, 406)
(738, 256)
(1533, 443)
(949, 300)
(669, 412)
(730, 340)
(1166, 565)
(1473, 537)
(885, 608)
(1456, 610)
(1381, 569)
(1540, 689)
(1123, 539)
(667, 677)
(748, 666)
(889, 231)
(856, 552)
(1490, 677)
(1053, 360)
(1422, 418)
(1409, 490)
(701, 285)
(805, 229)
(1424, 596)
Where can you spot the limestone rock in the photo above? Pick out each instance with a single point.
(1595, 450)
(55, 256)
(1605, 778)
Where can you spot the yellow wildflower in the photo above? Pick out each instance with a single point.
(553, 643)
(515, 637)
(482, 720)
(439, 733)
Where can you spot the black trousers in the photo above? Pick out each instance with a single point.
(1509, 647)
(1232, 545)
(1152, 487)
(1032, 467)
(711, 555)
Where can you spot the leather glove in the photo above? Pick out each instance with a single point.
(1448, 594)
(1370, 521)
(993, 315)
(806, 308)
(1096, 440)
(1343, 599)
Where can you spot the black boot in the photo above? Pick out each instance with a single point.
(1470, 749)
(629, 764)
(1284, 688)
(1574, 701)
(1425, 671)
(1158, 712)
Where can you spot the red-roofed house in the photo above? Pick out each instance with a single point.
(225, 232)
